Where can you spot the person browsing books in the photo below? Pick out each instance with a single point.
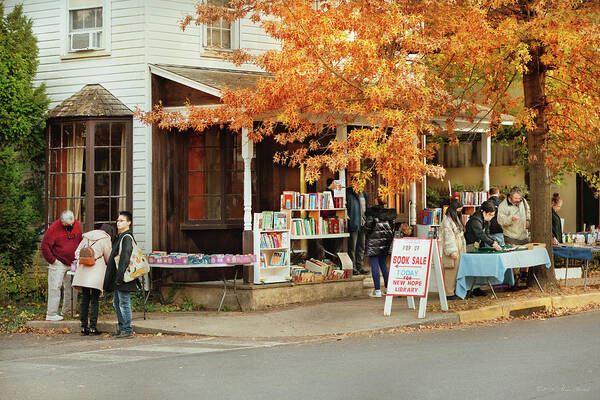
(477, 228)
(495, 228)
(379, 230)
(356, 205)
(452, 245)
(113, 280)
(90, 279)
(556, 224)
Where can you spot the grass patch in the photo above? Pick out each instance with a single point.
(14, 315)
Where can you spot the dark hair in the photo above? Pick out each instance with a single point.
(127, 215)
(329, 181)
(493, 191)
(380, 201)
(556, 199)
(108, 228)
(487, 206)
(454, 214)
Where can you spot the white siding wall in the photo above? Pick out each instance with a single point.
(123, 73)
(170, 45)
(141, 32)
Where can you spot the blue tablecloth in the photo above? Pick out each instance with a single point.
(577, 253)
(496, 267)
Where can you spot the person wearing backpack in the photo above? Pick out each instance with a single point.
(115, 271)
(93, 253)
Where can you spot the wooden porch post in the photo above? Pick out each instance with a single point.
(247, 238)
(486, 158)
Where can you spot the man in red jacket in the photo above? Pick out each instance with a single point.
(58, 248)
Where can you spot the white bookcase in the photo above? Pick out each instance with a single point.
(316, 215)
(267, 252)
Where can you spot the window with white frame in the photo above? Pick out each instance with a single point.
(86, 30)
(220, 34)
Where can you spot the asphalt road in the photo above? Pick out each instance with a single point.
(558, 358)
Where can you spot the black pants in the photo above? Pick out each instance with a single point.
(89, 297)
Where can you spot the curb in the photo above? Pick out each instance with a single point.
(108, 326)
(527, 307)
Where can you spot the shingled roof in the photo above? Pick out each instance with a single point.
(91, 101)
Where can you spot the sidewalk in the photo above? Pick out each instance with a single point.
(331, 318)
(340, 317)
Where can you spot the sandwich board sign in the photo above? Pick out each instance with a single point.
(414, 262)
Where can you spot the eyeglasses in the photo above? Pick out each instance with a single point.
(121, 220)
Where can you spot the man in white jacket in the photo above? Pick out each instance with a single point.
(514, 216)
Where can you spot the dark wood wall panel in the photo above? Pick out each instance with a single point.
(168, 197)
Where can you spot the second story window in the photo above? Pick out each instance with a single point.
(86, 29)
(220, 35)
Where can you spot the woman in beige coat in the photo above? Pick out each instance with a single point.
(452, 244)
(90, 279)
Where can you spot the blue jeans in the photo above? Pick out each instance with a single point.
(378, 262)
(122, 305)
(498, 237)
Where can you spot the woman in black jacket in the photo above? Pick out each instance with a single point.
(556, 225)
(379, 235)
(476, 230)
(113, 280)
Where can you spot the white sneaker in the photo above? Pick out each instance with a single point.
(54, 317)
(376, 293)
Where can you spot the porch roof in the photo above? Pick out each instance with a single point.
(91, 101)
(208, 80)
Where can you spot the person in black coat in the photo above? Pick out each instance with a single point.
(113, 280)
(496, 231)
(356, 204)
(556, 225)
(379, 230)
(477, 228)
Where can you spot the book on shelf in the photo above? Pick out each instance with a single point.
(470, 198)
(273, 240)
(278, 258)
(431, 216)
(309, 201)
(280, 220)
(267, 220)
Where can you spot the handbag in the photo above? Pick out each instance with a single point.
(138, 264)
(87, 256)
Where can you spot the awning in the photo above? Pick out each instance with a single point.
(208, 80)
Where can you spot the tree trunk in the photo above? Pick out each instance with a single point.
(534, 81)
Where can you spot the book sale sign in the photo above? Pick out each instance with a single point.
(413, 263)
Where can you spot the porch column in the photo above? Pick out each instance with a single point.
(341, 133)
(412, 208)
(486, 158)
(247, 155)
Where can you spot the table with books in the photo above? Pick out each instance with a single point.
(496, 268)
(576, 251)
(186, 261)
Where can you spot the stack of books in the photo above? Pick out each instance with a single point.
(316, 270)
(273, 240)
(304, 226)
(273, 220)
(471, 198)
(333, 225)
(308, 201)
(432, 216)
(278, 258)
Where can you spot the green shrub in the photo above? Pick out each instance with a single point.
(19, 213)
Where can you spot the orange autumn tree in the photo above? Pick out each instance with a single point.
(550, 49)
(393, 65)
(337, 63)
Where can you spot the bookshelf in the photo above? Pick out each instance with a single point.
(271, 247)
(315, 215)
